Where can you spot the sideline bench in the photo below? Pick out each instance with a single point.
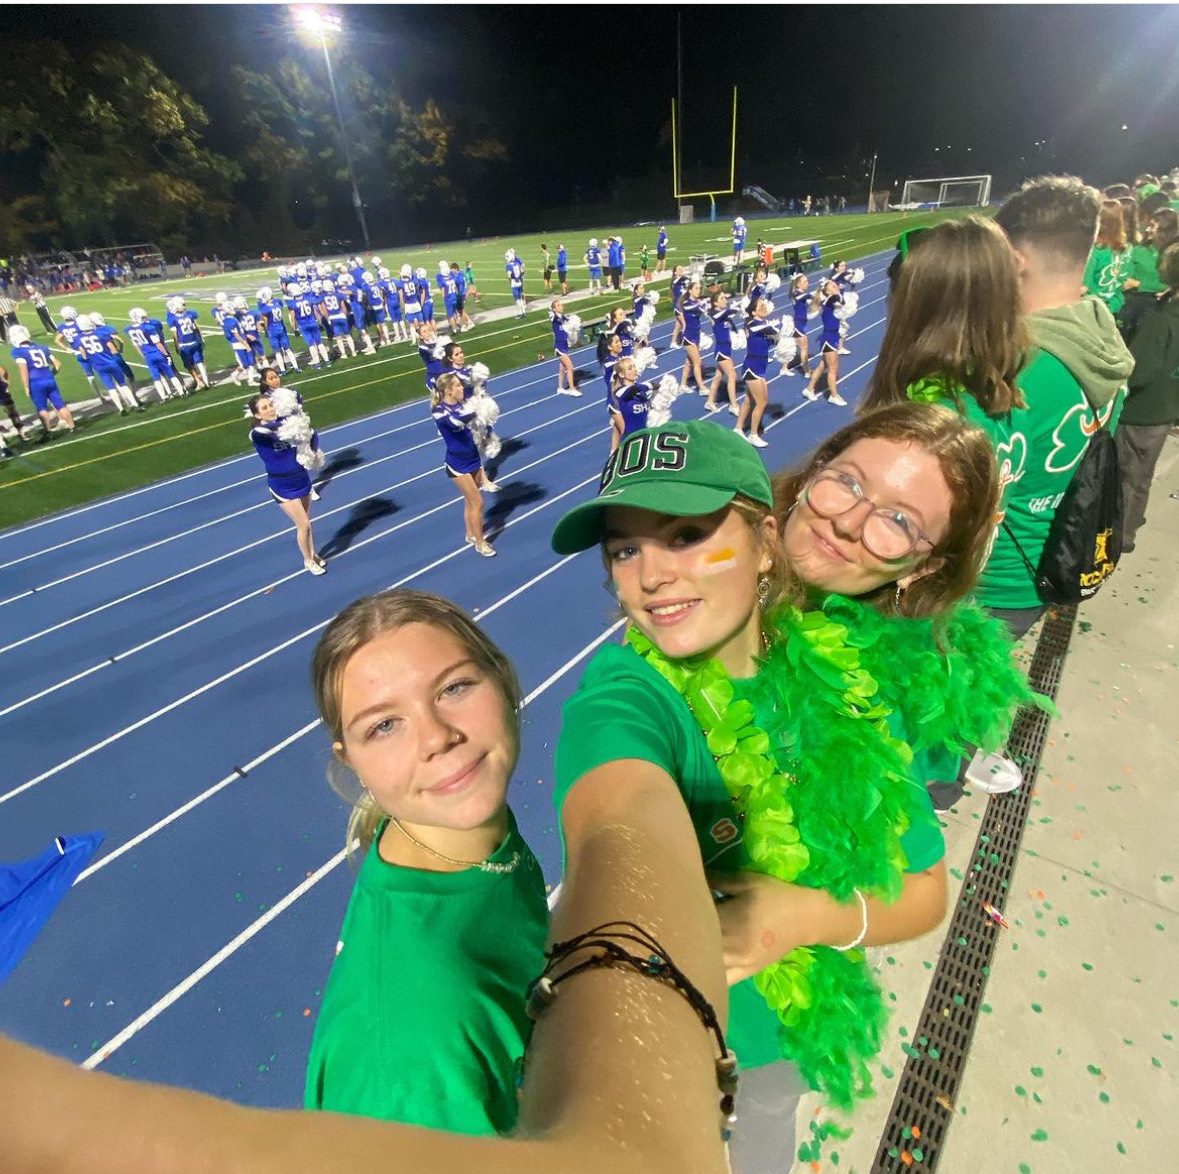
(592, 327)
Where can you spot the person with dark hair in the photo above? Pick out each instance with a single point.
(1073, 381)
(1152, 406)
(1143, 286)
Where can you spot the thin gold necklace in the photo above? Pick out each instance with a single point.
(484, 865)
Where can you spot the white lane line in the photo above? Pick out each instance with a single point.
(155, 485)
(108, 1049)
(270, 537)
(247, 665)
(227, 951)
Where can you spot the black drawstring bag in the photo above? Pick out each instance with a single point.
(1085, 538)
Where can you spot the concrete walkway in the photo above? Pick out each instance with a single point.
(1074, 1066)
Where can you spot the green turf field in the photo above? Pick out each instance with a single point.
(111, 453)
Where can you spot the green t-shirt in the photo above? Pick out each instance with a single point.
(623, 708)
(1105, 273)
(1048, 439)
(424, 1018)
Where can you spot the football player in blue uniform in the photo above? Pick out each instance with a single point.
(593, 258)
(514, 268)
(38, 369)
(303, 303)
(738, 240)
(67, 336)
(190, 343)
(447, 280)
(272, 322)
(148, 337)
(337, 318)
(661, 251)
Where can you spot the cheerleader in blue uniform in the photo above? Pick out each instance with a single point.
(725, 319)
(622, 326)
(565, 371)
(828, 299)
(288, 481)
(761, 338)
(632, 396)
(690, 312)
(758, 289)
(679, 286)
(845, 279)
(431, 354)
(800, 308)
(454, 419)
(609, 354)
(454, 362)
(514, 268)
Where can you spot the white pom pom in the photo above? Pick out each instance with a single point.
(486, 409)
(573, 329)
(644, 322)
(773, 283)
(491, 446)
(666, 392)
(786, 350)
(443, 339)
(479, 374)
(285, 400)
(653, 297)
(706, 342)
(738, 340)
(436, 352)
(851, 303)
(311, 459)
(645, 358)
(857, 275)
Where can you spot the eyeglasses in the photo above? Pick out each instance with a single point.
(887, 534)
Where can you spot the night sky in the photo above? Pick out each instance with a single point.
(581, 94)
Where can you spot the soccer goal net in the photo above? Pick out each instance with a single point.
(956, 191)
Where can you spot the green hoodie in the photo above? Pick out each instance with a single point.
(1073, 383)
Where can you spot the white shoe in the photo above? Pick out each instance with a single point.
(314, 493)
(568, 391)
(485, 549)
(844, 351)
(313, 568)
(810, 393)
(757, 441)
(734, 410)
(712, 408)
(489, 486)
(739, 432)
(837, 400)
(790, 371)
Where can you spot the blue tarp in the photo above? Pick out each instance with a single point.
(31, 890)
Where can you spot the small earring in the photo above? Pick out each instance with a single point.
(896, 600)
(763, 589)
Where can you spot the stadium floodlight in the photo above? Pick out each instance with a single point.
(319, 22)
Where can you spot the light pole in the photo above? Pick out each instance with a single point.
(871, 181)
(319, 23)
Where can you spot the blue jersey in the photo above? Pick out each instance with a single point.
(625, 331)
(515, 272)
(334, 305)
(424, 292)
(448, 284)
(738, 236)
(431, 354)
(678, 288)
(185, 326)
(272, 312)
(560, 337)
(633, 402)
(356, 301)
(761, 339)
(593, 257)
(614, 254)
(39, 362)
(692, 310)
(800, 310)
(148, 340)
(460, 282)
(92, 346)
(233, 332)
(830, 321)
(219, 314)
(69, 331)
(454, 423)
(304, 309)
(661, 244)
(724, 322)
(562, 259)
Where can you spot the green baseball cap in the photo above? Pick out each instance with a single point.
(683, 468)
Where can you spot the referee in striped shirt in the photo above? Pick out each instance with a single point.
(7, 316)
(38, 300)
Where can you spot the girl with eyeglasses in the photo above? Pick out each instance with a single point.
(777, 634)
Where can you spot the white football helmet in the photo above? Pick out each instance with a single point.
(85, 322)
(301, 269)
(265, 294)
(345, 279)
(443, 268)
(19, 335)
(221, 298)
(281, 272)
(420, 274)
(406, 270)
(383, 273)
(97, 318)
(316, 286)
(240, 303)
(367, 277)
(295, 289)
(137, 316)
(375, 262)
(69, 314)
(593, 242)
(329, 284)
(740, 222)
(510, 255)
(175, 305)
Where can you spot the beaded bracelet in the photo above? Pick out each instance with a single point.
(863, 925)
(654, 963)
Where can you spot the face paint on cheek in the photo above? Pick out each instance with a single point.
(718, 562)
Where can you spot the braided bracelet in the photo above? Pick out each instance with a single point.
(653, 962)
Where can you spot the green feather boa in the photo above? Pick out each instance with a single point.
(825, 788)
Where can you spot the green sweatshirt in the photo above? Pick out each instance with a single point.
(1154, 386)
(1073, 384)
(1105, 273)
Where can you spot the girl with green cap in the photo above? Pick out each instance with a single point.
(781, 679)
